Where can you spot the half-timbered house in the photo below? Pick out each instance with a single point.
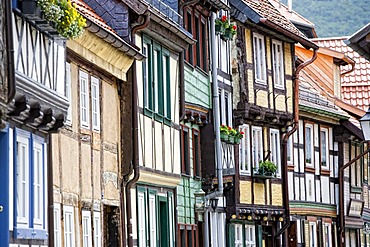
(37, 110)
(87, 163)
(265, 109)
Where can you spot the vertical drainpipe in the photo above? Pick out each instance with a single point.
(135, 141)
(285, 140)
(216, 119)
(10, 51)
(50, 193)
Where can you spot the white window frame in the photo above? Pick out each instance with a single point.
(95, 103)
(257, 146)
(69, 93)
(326, 131)
(278, 64)
(86, 229)
(245, 151)
(313, 234)
(327, 233)
(84, 99)
(275, 155)
(250, 235)
(68, 215)
(226, 105)
(259, 54)
(238, 235)
(309, 126)
(142, 234)
(155, 74)
(290, 149)
(38, 185)
(57, 226)
(23, 172)
(97, 229)
(152, 220)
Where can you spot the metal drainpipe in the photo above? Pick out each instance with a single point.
(216, 119)
(10, 51)
(341, 192)
(285, 140)
(349, 71)
(135, 153)
(50, 194)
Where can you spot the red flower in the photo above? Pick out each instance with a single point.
(223, 125)
(234, 27)
(241, 132)
(229, 127)
(224, 18)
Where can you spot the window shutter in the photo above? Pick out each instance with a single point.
(306, 233)
(259, 235)
(231, 230)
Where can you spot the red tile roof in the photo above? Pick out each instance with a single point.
(355, 85)
(90, 14)
(265, 9)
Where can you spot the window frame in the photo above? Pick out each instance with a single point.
(97, 229)
(57, 226)
(196, 153)
(86, 228)
(259, 55)
(141, 207)
(95, 103)
(327, 156)
(40, 205)
(185, 150)
(278, 60)
(312, 146)
(69, 210)
(260, 146)
(84, 81)
(313, 233)
(251, 242)
(68, 94)
(275, 155)
(245, 151)
(238, 235)
(186, 229)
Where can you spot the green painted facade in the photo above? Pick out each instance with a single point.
(197, 87)
(186, 200)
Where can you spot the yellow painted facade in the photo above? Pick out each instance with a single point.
(259, 194)
(245, 192)
(277, 195)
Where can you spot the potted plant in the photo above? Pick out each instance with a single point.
(63, 16)
(230, 31)
(232, 135)
(239, 135)
(221, 24)
(224, 132)
(266, 168)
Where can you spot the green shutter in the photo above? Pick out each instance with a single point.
(231, 234)
(259, 235)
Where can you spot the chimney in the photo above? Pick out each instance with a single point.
(290, 5)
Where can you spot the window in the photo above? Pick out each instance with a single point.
(95, 103)
(155, 224)
(244, 151)
(290, 150)
(86, 228)
(327, 235)
(196, 55)
(69, 240)
(278, 64)
(69, 93)
(313, 239)
(196, 153)
(275, 149)
(309, 144)
(238, 235)
(324, 148)
(156, 77)
(259, 52)
(257, 146)
(225, 107)
(250, 238)
(97, 230)
(84, 99)
(185, 150)
(57, 229)
(188, 235)
(29, 183)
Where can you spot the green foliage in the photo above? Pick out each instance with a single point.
(267, 168)
(333, 18)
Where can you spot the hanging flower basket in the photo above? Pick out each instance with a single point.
(221, 24)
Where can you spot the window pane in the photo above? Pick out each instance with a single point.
(308, 144)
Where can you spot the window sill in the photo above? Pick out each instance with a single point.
(29, 233)
(356, 189)
(157, 117)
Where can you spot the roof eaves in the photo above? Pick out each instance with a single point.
(114, 40)
(242, 12)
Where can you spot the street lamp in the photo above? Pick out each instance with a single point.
(200, 201)
(365, 125)
(214, 203)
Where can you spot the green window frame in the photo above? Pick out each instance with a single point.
(156, 80)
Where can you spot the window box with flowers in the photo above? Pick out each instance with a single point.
(229, 33)
(224, 132)
(266, 169)
(230, 135)
(61, 15)
(221, 24)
